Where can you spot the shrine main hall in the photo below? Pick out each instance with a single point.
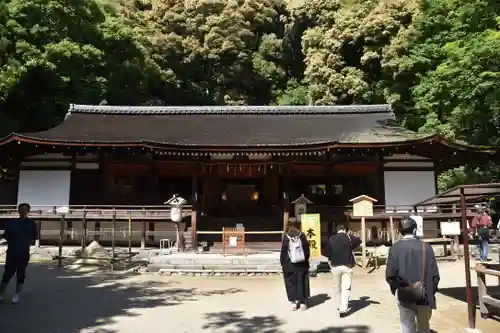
(235, 165)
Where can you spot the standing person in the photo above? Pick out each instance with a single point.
(20, 235)
(342, 261)
(294, 260)
(413, 276)
(481, 224)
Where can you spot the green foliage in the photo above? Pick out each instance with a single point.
(435, 61)
(57, 52)
(294, 94)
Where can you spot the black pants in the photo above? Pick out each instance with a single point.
(16, 263)
(297, 286)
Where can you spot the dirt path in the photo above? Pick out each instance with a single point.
(63, 302)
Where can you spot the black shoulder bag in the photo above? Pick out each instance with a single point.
(415, 292)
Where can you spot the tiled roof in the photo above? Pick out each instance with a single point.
(228, 110)
(228, 126)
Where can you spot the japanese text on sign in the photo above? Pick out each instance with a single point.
(311, 227)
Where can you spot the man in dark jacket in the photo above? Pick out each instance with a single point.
(407, 264)
(342, 261)
(20, 235)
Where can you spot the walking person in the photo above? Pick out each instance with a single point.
(20, 235)
(413, 276)
(294, 260)
(480, 226)
(342, 261)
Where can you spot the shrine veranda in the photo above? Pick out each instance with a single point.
(107, 171)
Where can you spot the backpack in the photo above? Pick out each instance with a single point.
(295, 250)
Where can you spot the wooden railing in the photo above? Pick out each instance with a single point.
(96, 212)
(488, 303)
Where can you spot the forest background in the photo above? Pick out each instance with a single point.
(437, 62)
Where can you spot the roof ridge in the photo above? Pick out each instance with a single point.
(227, 110)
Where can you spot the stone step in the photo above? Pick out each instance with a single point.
(215, 267)
(171, 260)
(232, 273)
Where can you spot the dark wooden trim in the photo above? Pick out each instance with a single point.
(381, 183)
(195, 213)
(16, 173)
(436, 178)
(46, 168)
(27, 159)
(400, 160)
(409, 169)
(408, 144)
(285, 195)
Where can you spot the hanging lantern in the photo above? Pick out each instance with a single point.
(255, 196)
(175, 214)
(175, 204)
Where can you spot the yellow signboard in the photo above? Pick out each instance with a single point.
(311, 227)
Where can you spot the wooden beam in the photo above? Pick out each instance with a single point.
(491, 301)
(195, 209)
(392, 233)
(285, 196)
(363, 242)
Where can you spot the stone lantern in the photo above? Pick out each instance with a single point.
(176, 203)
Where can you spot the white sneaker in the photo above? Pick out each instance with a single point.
(15, 299)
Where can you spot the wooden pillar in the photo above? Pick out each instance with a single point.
(329, 190)
(363, 242)
(62, 223)
(471, 306)
(195, 208)
(113, 236)
(143, 234)
(391, 225)
(84, 231)
(481, 289)
(38, 233)
(129, 238)
(286, 196)
(381, 182)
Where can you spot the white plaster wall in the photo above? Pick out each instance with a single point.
(406, 188)
(44, 189)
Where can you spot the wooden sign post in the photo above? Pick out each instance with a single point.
(233, 238)
(300, 206)
(362, 206)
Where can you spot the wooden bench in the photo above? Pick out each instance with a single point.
(445, 242)
(375, 254)
(488, 304)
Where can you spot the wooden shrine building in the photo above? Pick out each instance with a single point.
(234, 164)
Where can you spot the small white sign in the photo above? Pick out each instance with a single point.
(300, 209)
(420, 225)
(233, 241)
(450, 228)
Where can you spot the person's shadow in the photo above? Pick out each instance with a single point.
(359, 304)
(317, 300)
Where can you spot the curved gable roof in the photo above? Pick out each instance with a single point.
(237, 127)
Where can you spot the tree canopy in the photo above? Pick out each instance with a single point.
(435, 61)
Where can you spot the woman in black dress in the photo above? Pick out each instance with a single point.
(296, 275)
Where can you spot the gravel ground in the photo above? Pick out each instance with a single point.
(57, 301)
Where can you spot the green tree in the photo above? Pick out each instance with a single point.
(224, 52)
(347, 46)
(450, 78)
(68, 51)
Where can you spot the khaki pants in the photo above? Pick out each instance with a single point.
(414, 318)
(342, 276)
